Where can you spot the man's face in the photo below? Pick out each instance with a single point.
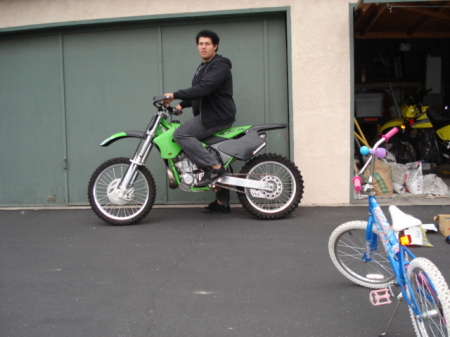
(206, 48)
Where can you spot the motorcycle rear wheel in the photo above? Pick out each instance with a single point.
(113, 210)
(287, 184)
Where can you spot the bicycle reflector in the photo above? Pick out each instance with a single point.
(405, 240)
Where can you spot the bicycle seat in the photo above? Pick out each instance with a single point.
(401, 220)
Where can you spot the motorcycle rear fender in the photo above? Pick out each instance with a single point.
(444, 133)
(122, 135)
(397, 122)
(268, 127)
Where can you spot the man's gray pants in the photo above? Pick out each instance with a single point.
(188, 136)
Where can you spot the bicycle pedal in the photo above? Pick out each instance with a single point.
(380, 297)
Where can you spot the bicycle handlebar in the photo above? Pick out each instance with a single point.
(357, 183)
(376, 151)
(379, 152)
(390, 134)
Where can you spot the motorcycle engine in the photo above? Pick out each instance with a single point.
(188, 170)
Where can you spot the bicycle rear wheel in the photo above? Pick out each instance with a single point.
(347, 245)
(432, 295)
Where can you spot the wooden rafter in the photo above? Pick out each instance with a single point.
(424, 19)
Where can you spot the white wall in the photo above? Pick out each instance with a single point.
(321, 86)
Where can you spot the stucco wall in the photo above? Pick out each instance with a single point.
(321, 74)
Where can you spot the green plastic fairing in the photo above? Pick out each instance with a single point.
(166, 144)
(232, 132)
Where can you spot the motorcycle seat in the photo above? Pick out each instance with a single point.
(438, 121)
(210, 140)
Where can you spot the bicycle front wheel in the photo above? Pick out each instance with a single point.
(432, 295)
(347, 245)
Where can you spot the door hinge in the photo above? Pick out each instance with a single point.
(65, 163)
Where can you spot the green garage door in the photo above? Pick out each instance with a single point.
(31, 122)
(61, 95)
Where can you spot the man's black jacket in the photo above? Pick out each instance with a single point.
(211, 94)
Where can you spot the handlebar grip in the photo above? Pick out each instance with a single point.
(390, 134)
(173, 111)
(357, 183)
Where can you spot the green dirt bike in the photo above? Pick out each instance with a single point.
(122, 191)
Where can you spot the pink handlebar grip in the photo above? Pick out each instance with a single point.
(357, 181)
(391, 133)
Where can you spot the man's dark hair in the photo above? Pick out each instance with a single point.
(208, 33)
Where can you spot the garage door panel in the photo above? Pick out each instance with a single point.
(30, 121)
(110, 79)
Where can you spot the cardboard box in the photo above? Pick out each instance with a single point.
(444, 223)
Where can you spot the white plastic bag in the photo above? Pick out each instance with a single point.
(414, 178)
(433, 185)
(398, 173)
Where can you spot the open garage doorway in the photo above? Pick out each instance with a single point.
(401, 64)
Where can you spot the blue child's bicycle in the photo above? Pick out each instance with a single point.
(373, 254)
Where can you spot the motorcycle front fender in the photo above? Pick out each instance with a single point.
(122, 135)
(397, 122)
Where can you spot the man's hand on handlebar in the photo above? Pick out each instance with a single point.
(168, 98)
(179, 110)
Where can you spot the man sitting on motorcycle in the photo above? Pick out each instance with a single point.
(211, 99)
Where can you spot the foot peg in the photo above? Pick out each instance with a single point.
(380, 297)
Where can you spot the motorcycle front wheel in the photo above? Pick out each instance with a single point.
(286, 182)
(112, 208)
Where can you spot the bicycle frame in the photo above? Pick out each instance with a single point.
(399, 255)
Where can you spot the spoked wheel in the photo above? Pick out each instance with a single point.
(347, 246)
(286, 187)
(433, 299)
(120, 209)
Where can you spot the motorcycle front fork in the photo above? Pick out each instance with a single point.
(138, 160)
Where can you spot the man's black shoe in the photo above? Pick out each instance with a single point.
(211, 174)
(215, 207)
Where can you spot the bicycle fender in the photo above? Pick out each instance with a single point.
(122, 135)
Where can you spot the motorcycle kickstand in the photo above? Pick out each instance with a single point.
(400, 297)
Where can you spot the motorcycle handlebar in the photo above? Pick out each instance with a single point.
(158, 101)
(173, 111)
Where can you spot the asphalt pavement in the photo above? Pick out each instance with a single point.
(65, 273)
